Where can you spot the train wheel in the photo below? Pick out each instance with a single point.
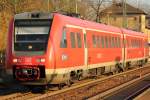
(60, 86)
(69, 83)
(79, 75)
(118, 68)
(141, 63)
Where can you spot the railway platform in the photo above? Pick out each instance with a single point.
(133, 91)
(144, 96)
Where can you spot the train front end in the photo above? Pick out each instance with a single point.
(27, 46)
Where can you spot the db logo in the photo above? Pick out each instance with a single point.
(64, 57)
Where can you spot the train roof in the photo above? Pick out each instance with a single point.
(135, 33)
(88, 24)
(34, 15)
(98, 26)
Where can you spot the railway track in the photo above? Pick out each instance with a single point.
(87, 88)
(127, 91)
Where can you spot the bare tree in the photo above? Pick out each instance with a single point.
(96, 6)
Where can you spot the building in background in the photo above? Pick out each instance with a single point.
(136, 19)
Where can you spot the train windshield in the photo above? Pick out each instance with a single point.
(31, 36)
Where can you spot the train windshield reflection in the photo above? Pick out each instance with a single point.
(31, 36)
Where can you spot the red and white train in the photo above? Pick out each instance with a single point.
(45, 48)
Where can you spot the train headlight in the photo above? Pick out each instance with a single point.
(24, 71)
(15, 60)
(41, 60)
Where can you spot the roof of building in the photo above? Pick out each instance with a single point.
(117, 8)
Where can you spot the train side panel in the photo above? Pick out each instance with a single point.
(134, 48)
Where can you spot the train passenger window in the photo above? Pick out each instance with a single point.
(102, 41)
(116, 42)
(136, 44)
(132, 42)
(127, 43)
(72, 37)
(139, 43)
(85, 42)
(113, 42)
(119, 42)
(98, 41)
(110, 42)
(94, 41)
(79, 40)
(63, 43)
(106, 41)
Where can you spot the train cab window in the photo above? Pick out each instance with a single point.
(106, 41)
(31, 36)
(63, 43)
(94, 41)
(98, 41)
(79, 40)
(72, 37)
(102, 41)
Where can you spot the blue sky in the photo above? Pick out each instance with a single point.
(142, 4)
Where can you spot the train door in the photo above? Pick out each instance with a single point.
(124, 49)
(75, 47)
(85, 49)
